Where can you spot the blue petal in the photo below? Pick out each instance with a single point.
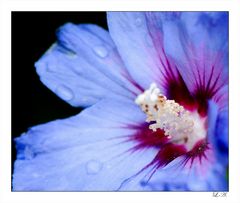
(218, 132)
(82, 153)
(222, 134)
(198, 43)
(180, 29)
(210, 26)
(139, 48)
(177, 178)
(83, 66)
(218, 137)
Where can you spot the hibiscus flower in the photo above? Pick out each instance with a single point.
(155, 93)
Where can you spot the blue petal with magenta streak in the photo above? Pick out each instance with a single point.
(132, 35)
(157, 46)
(83, 153)
(83, 67)
(198, 42)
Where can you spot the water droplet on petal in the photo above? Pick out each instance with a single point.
(93, 167)
(138, 22)
(108, 166)
(101, 51)
(51, 68)
(78, 70)
(64, 92)
(35, 175)
(71, 55)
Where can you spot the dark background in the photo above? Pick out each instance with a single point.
(32, 34)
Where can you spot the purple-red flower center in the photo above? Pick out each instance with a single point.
(170, 129)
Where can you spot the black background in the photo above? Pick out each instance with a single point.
(32, 34)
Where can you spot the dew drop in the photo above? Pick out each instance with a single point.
(71, 55)
(138, 22)
(108, 166)
(35, 175)
(93, 167)
(78, 70)
(64, 92)
(101, 51)
(51, 68)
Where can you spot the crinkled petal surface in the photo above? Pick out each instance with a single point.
(86, 152)
(84, 66)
